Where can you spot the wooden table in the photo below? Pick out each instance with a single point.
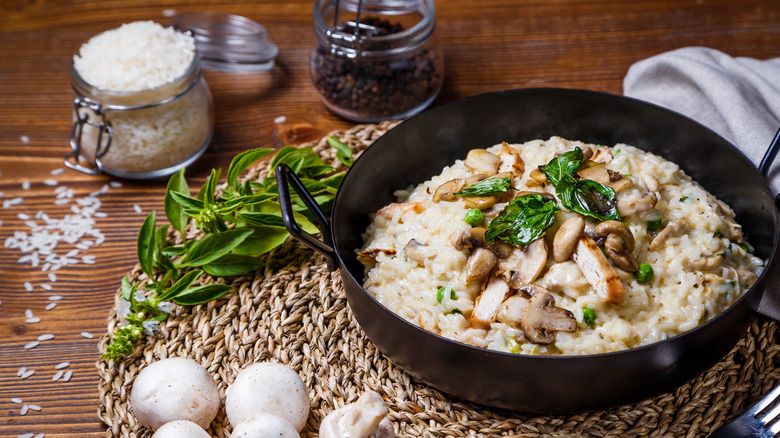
(488, 46)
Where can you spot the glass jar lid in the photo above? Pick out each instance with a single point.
(228, 43)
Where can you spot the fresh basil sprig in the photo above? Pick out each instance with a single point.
(586, 197)
(238, 223)
(490, 186)
(523, 220)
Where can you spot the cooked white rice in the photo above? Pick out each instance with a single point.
(677, 299)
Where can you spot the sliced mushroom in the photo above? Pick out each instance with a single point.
(417, 251)
(746, 278)
(476, 178)
(488, 302)
(602, 155)
(482, 161)
(480, 202)
(566, 238)
(524, 264)
(510, 161)
(471, 238)
(630, 203)
(479, 264)
(368, 256)
(446, 191)
(706, 264)
(538, 177)
(531, 289)
(651, 183)
(671, 230)
(601, 174)
(541, 319)
(390, 210)
(733, 231)
(619, 244)
(598, 271)
(511, 310)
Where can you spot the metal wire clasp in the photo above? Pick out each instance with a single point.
(344, 42)
(82, 107)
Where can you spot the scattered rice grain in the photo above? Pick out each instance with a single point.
(27, 374)
(57, 171)
(26, 185)
(87, 335)
(115, 184)
(16, 400)
(62, 201)
(28, 313)
(8, 203)
(61, 365)
(24, 139)
(55, 297)
(23, 411)
(21, 371)
(51, 306)
(28, 286)
(52, 277)
(279, 120)
(32, 344)
(40, 435)
(50, 182)
(26, 435)
(45, 286)
(34, 407)
(67, 376)
(46, 337)
(137, 209)
(57, 375)
(34, 320)
(23, 216)
(168, 13)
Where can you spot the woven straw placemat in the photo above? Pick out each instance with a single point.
(295, 312)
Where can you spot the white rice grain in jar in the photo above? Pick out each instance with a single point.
(142, 108)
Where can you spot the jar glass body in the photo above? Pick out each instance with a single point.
(144, 134)
(393, 74)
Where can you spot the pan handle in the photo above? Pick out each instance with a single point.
(286, 177)
(769, 156)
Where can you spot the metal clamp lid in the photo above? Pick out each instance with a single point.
(82, 108)
(228, 43)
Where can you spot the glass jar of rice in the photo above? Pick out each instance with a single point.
(141, 107)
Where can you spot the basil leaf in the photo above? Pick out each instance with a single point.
(232, 264)
(241, 162)
(562, 168)
(343, 152)
(186, 201)
(146, 244)
(181, 284)
(589, 198)
(174, 210)
(524, 220)
(214, 246)
(261, 217)
(202, 294)
(207, 192)
(262, 240)
(485, 187)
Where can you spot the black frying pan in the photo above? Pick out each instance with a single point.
(420, 147)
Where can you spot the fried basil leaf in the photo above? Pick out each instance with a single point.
(561, 169)
(589, 198)
(489, 186)
(524, 220)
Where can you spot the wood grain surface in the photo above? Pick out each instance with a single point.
(488, 46)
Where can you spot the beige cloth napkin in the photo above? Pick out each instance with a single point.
(739, 98)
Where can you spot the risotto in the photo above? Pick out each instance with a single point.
(557, 247)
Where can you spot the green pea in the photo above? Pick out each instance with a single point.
(440, 294)
(654, 225)
(474, 217)
(645, 273)
(589, 316)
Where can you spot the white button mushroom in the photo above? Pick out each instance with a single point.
(268, 388)
(366, 418)
(264, 426)
(180, 429)
(174, 389)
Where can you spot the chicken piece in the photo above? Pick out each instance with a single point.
(390, 210)
(489, 302)
(598, 271)
(524, 264)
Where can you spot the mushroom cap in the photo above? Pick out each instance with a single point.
(264, 425)
(366, 418)
(174, 389)
(268, 388)
(541, 319)
(180, 429)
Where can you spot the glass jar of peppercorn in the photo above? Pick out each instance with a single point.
(376, 59)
